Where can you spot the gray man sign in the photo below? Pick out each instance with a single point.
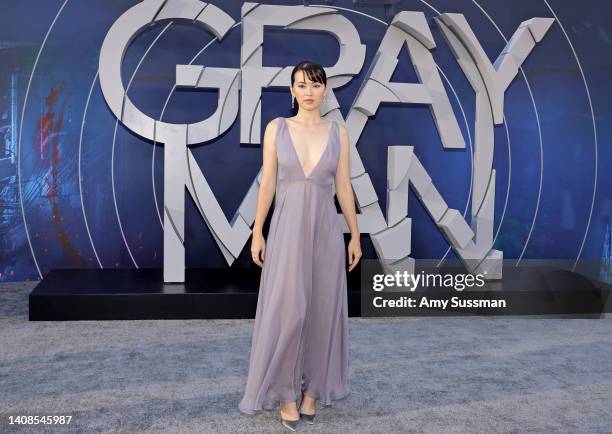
(391, 236)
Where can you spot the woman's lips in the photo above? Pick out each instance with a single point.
(308, 100)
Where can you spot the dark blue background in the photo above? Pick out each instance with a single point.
(69, 62)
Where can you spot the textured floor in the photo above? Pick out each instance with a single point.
(440, 375)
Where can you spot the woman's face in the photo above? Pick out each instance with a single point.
(309, 94)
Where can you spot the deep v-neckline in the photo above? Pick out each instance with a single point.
(297, 156)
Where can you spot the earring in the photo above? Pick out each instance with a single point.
(292, 100)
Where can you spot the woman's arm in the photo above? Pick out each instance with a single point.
(346, 199)
(267, 189)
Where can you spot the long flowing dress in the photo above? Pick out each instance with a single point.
(300, 335)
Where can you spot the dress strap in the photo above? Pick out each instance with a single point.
(281, 126)
(336, 132)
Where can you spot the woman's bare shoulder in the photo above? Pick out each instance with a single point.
(343, 130)
(273, 124)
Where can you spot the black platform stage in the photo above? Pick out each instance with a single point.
(128, 294)
(231, 293)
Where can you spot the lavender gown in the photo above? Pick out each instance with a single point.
(300, 335)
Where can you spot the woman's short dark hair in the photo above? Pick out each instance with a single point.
(312, 70)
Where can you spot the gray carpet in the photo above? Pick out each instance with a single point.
(439, 375)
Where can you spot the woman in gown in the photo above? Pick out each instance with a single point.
(300, 335)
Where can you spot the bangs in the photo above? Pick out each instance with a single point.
(312, 70)
(315, 74)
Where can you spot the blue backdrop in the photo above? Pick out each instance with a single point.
(554, 196)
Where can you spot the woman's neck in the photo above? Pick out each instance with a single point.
(308, 119)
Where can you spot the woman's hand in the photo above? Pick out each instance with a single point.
(258, 246)
(354, 252)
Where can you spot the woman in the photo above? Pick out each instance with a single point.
(300, 335)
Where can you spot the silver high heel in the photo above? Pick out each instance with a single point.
(308, 418)
(289, 424)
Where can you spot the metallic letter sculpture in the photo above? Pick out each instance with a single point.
(180, 167)
(391, 236)
(473, 244)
